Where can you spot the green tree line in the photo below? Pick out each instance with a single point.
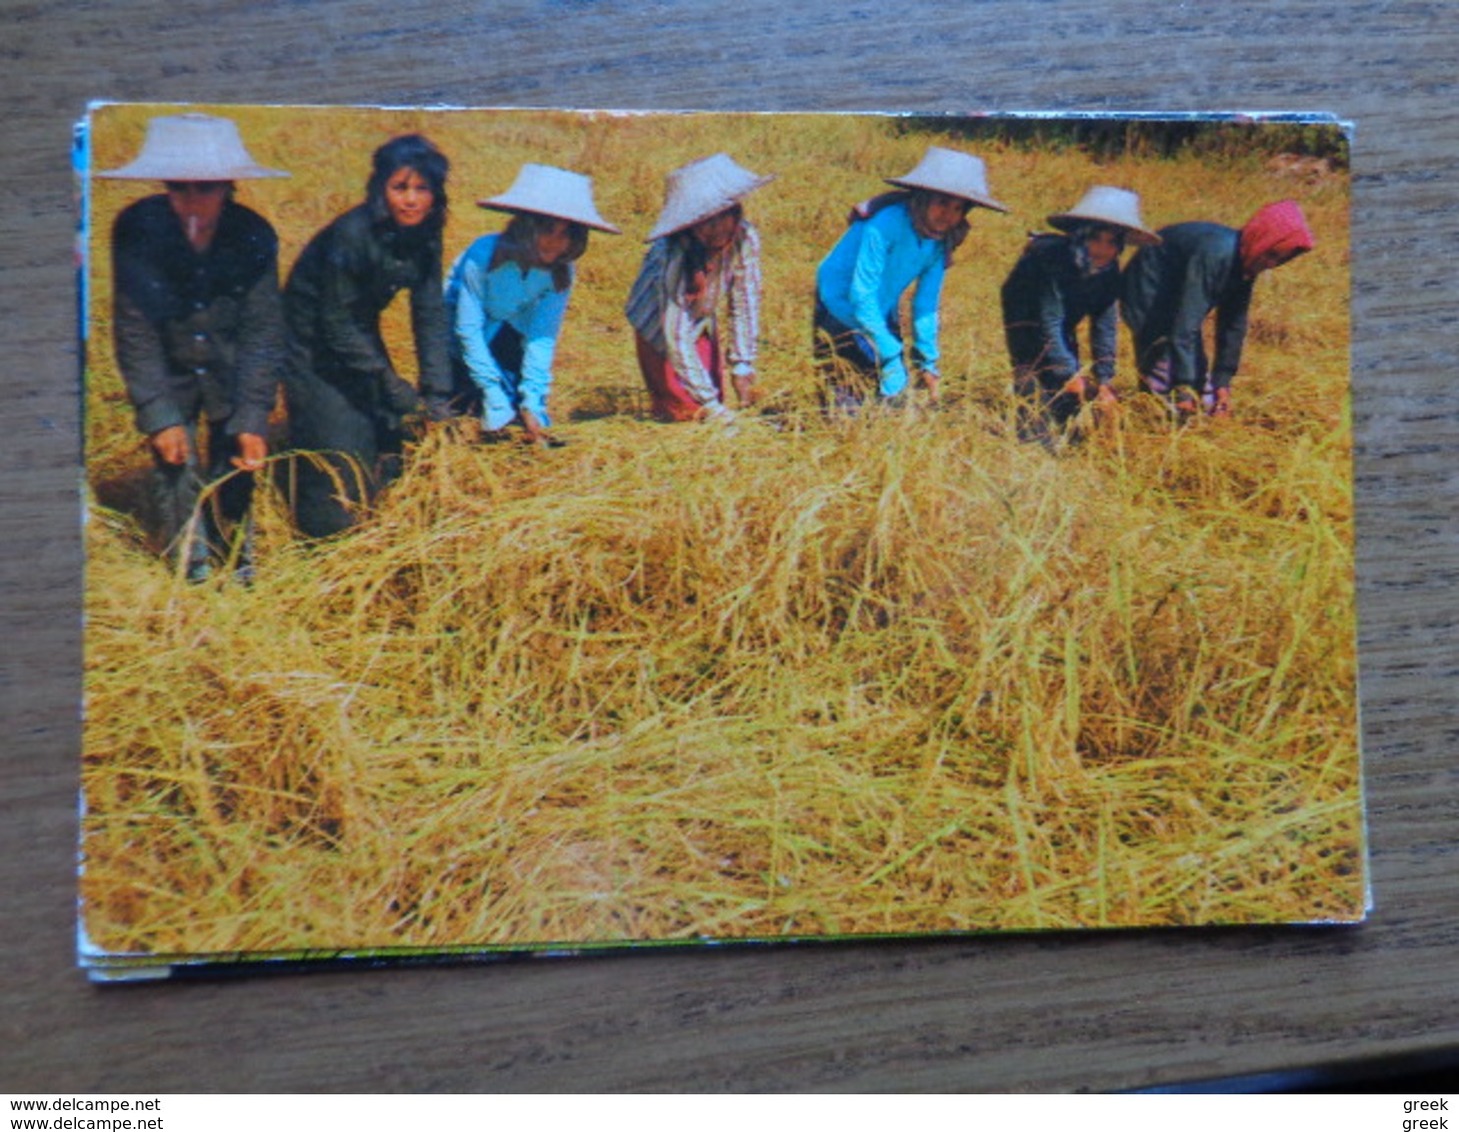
(1109, 138)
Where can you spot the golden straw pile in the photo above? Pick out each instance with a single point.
(896, 674)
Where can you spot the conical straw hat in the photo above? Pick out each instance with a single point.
(952, 172)
(703, 189)
(192, 147)
(1105, 204)
(549, 191)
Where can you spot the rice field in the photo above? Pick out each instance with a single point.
(896, 674)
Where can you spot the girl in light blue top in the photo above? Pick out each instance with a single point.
(894, 241)
(506, 298)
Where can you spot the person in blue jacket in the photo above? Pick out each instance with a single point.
(506, 298)
(894, 241)
(1060, 281)
(1198, 268)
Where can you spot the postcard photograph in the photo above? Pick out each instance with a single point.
(514, 530)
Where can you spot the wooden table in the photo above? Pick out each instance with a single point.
(1093, 1011)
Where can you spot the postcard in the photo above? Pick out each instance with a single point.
(543, 530)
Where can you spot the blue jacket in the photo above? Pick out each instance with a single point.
(1169, 290)
(862, 280)
(478, 302)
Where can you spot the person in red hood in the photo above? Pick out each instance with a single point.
(1197, 268)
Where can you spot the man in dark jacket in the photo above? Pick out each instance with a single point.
(1060, 281)
(198, 331)
(1199, 267)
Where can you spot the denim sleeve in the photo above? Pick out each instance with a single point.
(139, 286)
(1104, 338)
(428, 325)
(1231, 318)
(866, 286)
(1057, 360)
(260, 353)
(925, 305)
(541, 333)
(143, 362)
(1193, 304)
(470, 325)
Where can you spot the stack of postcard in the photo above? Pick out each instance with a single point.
(533, 530)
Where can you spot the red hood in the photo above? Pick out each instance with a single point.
(1275, 227)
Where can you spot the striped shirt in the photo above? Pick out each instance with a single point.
(672, 320)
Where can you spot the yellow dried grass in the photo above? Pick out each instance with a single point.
(895, 674)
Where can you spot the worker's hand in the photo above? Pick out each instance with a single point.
(402, 397)
(536, 433)
(1186, 401)
(719, 414)
(171, 444)
(252, 452)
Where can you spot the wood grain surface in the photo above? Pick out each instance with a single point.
(1088, 1011)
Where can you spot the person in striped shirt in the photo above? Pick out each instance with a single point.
(702, 252)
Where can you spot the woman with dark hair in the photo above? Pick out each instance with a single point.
(701, 251)
(894, 240)
(348, 408)
(506, 298)
(1061, 280)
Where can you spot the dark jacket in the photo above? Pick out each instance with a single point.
(196, 331)
(342, 282)
(1169, 290)
(1045, 297)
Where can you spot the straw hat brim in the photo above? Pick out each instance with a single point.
(505, 204)
(1141, 237)
(982, 200)
(668, 225)
(153, 170)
